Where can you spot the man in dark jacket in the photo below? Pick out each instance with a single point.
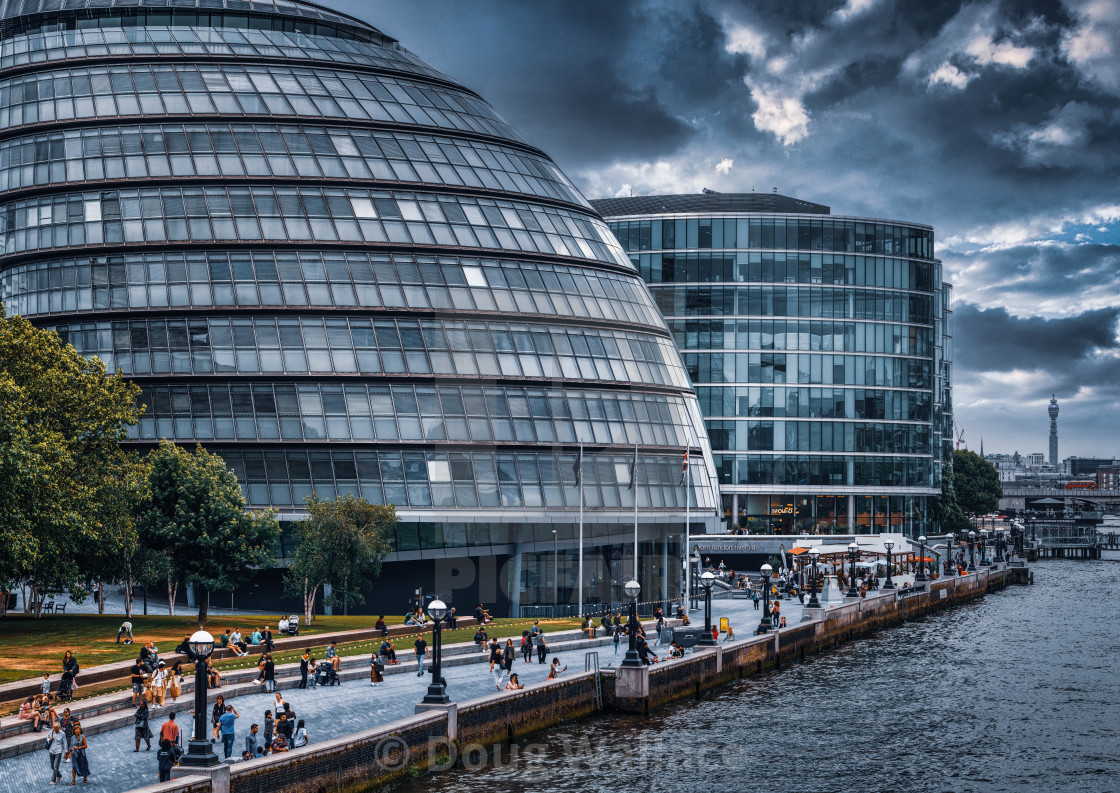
(303, 664)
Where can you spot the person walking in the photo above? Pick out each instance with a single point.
(79, 761)
(303, 667)
(175, 682)
(421, 654)
(216, 715)
(143, 731)
(56, 749)
(169, 731)
(508, 655)
(136, 675)
(158, 683)
(617, 641)
(542, 651)
(269, 674)
(228, 724)
(526, 646)
(755, 598)
(165, 759)
(376, 667)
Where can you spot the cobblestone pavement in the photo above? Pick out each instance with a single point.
(340, 710)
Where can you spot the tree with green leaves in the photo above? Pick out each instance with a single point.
(976, 483)
(195, 515)
(62, 417)
(343, 543)
(119, 555)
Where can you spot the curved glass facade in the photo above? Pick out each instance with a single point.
(819, 349)
(345, 273)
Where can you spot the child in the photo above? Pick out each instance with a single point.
(46, 684)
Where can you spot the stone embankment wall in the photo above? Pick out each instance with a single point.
(434, 739)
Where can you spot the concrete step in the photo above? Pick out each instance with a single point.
(115, 711)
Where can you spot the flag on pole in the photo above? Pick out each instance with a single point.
(578, 468)
(634, 470)
(684, 469)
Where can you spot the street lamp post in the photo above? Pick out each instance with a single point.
(555, 572)
(951, 569)
(984, 548)
(707, 578)
(921, 576)
(764, 625)
(437, 694)
(632, 588)
(889, 546)
(972, 551)
(814, 581)
(853, 554)
(200, 752)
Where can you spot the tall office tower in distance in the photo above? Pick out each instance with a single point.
(819, 347)
(1053, 411)
(343, 272)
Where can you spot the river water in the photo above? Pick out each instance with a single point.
(1019, 691)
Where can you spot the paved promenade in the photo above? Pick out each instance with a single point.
(336, 711)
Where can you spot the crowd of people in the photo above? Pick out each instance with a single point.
(154, 685)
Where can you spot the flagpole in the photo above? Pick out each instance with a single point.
(580, 572)
(687, 531)
(634, 487)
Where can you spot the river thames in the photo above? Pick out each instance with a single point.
(1018, 691)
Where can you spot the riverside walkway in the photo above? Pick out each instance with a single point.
(329, 712)
(334, 712)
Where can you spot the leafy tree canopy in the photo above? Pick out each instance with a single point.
(342, 543)
(61, 418)
(195, 515)
(976, 483)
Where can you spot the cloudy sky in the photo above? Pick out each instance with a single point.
(996, 122)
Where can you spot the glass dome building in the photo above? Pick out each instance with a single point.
(345, 273)
(819, 348)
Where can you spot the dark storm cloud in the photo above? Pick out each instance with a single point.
(996, 121)
(993, 340)
(1040, 276)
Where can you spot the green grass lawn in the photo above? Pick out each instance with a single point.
(29, 647)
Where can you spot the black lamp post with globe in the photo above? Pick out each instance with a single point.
(437, 693)
(921, 576)
(972, 552)
(707, 579)
(764, 624)
(889, 584)
(814, 578)
(632, 589)
(200, 752)
(853, 554)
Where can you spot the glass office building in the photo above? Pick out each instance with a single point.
(819, 348)
(345, 273)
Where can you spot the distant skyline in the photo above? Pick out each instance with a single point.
(996, 122)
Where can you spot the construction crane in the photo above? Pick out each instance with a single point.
(960, 434)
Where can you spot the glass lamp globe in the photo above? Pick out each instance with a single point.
(201, 644)
(707, 578)
(632, 588)
(437, 610)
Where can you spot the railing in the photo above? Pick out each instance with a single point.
(595, 609)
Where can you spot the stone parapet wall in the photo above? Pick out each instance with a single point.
(355, 762)
(509, 715)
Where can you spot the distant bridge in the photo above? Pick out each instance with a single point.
(1018, 497)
